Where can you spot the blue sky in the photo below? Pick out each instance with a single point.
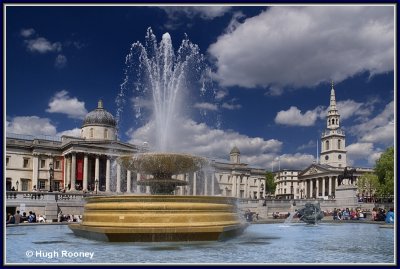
(272, 68)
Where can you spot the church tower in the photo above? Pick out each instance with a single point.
(333, 140)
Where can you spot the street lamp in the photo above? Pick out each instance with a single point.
(291, 191)
(17, 183)
(51, 171)
(96, 183)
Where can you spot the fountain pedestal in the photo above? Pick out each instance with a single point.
(346, 196)
(155, 218)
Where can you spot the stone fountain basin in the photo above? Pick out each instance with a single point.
(162, 165)
(152, 218)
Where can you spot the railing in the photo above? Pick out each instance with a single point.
(31, 137)
(15, 196)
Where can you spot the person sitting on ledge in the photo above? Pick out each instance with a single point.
(390, 216)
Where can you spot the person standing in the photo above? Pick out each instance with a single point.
(17, 217)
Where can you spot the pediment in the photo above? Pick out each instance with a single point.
(314, 169)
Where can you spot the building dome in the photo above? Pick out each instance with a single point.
(235, 150)
(99, 116)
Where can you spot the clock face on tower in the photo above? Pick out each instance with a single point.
(340, 157)
(326, 157)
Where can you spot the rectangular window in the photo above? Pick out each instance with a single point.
(7, 160)
(42, 163)
(56, 185)
(241, 193)
(24, 184)
(284, 191)
(57, 165)
(26, 163)
(41, 184)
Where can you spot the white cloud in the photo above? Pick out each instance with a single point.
(76, 132)
(31, 125)
(294, 117)
(220, 94)
(231, 106)
(62, 103)
(362, 151)
(206, 106)
(42, 45)
(379, 129)
(61, 61)
(350, 108)
(27, 32)
(204, 12)
(200, 139)
(304, 46)
(309, 145)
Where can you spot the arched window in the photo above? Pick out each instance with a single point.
(339, 144)
(327, 145)
(105, 133)
(337, 121)
(91, 132)
(333, 121)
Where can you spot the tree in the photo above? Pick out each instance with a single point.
(384, 169)
(368, 183)
(270, 184)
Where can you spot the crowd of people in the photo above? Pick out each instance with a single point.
(18, 218)
(377, 214)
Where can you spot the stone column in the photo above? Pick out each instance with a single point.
(233, 193)
(311, 189)
(258, 188)
(205, 183)
(118, 178)
(212, 183)
(97, 169)
(128, 181)
(317, 191)
(108, 172)
(330, 186)
(35, 167)
(336, 182)
(137, 183)
(194, 183)
(85, 171)
(65, 171)
(238, 186)
(323, 186)
(73, 172)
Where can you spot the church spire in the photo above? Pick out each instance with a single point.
(333, 98)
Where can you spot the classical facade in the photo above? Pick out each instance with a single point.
(88, 163)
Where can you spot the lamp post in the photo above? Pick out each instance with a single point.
(96, 183)
(51, 172)
(291, 191)
(17, 183)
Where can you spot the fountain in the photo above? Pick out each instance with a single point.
(311, 213)
(161, 216)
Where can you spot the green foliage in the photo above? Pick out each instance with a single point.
(384, 169)
(368, 183)
(270, 184)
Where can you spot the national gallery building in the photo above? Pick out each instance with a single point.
(88, 163)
